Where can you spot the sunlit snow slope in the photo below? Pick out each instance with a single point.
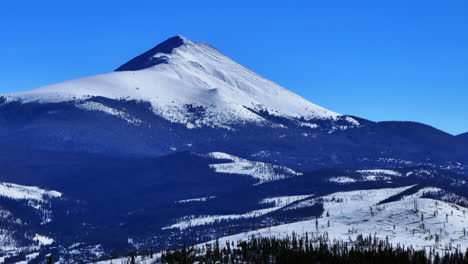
(179, 74)
(412, 221)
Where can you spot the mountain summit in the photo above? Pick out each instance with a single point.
(183, 95)
(178, 74)
(151, 58)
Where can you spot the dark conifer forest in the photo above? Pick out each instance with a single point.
(301, 249)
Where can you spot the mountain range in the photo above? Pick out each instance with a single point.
(183, 145)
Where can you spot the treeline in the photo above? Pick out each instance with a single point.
(293, 249)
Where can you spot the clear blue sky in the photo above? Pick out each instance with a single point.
(398, 60)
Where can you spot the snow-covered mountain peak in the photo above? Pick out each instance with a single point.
(179, 75)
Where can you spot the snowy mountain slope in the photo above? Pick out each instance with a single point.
(24, 212)
(277, 202)
(159, 201)
(179, 73)
(68, 128)
(187, 96)
(412, 220)
(301, 192)
(19, 192)
(31, 196)
(432, 224)
(261, 171)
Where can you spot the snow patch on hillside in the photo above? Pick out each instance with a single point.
(342, 179)
(21, 192)
(313, 126)
(192, 221)
(263, 172)
(283, 201)
(201, 199)
(35, 197)
(94, 106)
(352, 121)
(353, 199)
(43, 240)
(279, 203)
(380, 172)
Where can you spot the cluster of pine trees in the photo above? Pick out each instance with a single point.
(293, 249)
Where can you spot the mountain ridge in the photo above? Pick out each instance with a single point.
(463, 136)
(196, 99)
(166, 46)
(178, 73)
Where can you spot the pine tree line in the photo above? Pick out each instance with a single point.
(293, 249)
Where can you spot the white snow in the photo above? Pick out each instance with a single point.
(379, 172)
(196, 74)
(342, 179)
(138, 259)
(201, 199)
(43, 240)
(376, 178)
(352, 121)
(283, 201)
(358, 212)
(279, 203)
(31, 256)
(94, 106)
(21, 192)
(309, 125)
(28, 258)
(192, 221)
(264, 172)
(36, 198)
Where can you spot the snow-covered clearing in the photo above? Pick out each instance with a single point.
(264, 172)
(413, 221)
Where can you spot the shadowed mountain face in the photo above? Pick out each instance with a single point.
(182, 144)
(463, 136)
(147, 60)
(139, 132)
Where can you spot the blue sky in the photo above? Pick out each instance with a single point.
(381, 60)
